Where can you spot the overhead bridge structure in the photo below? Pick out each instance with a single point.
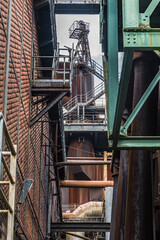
(79, 160)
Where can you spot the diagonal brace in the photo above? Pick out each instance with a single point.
(122, 93)
(151, 7)
(46, 109)
(141, 103)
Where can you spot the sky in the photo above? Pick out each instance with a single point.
(65, 21)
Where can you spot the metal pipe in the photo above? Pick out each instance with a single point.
(85, 158)
(86, 184)
(121, 195)
(139, 211)
(77, 235)
(73, 163)
(114, 202)
(7, 59)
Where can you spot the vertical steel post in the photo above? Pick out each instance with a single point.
(108, 207)
(112, 61)
(130, 13)
(78, 116)
(83, 113)
(1, 143)
(7, 59)
(64, 71)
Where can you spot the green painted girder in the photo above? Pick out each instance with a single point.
(137, 36)
(141, 38)
(112, 28)
(140, 103)
(137, 33)
(122, 93)
(118, 140)
(137, 142)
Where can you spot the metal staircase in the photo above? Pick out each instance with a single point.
(93, 67)
(84, 99)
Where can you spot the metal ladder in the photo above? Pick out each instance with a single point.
(7, 202)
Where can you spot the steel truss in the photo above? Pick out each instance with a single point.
(138, 35)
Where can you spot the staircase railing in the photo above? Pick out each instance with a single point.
(95, 67)
(92, 66)
(84, 99)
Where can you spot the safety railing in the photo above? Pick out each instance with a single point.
(76, 29)
(59, 69)
(84, 99)
(97, 68)
(91, 65)
(7, 169)
(99, 119)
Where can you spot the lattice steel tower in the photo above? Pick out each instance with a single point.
(80, 30)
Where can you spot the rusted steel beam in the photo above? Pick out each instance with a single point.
(85, 158)
(82, 162)
(86, 184)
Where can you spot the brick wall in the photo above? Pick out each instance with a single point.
(30, 141)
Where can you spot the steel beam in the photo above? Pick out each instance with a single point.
(85, 128)
(122, 93)
(151, 7)
(46, 109)
(137, 142)
(130, 13)
(80, 227)
(141, 102)
(82, 162)
(86, 184)
(112, 29)
(77, 8)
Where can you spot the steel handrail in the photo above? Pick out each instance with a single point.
(84, 98)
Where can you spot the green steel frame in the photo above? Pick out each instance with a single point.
(137, 36)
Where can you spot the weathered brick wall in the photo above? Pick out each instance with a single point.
(30, 141)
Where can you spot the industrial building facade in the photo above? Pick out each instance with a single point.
(71, 169)
(19, 39)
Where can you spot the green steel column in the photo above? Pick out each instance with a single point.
(112, 27)
(130, 13)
